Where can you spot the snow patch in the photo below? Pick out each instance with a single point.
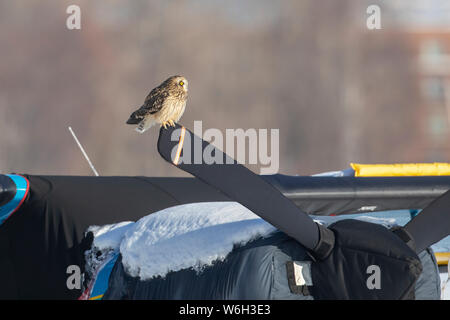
(109, 236)
(188, 236)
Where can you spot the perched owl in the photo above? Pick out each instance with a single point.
(164, 105)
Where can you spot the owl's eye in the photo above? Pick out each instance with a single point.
(181, 83)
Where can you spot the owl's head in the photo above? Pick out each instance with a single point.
(179, 82)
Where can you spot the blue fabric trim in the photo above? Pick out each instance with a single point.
(21, 191)
(102, 280)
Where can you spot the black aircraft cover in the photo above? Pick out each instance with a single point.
(46, 234)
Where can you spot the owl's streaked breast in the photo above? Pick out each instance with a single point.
(172, 109)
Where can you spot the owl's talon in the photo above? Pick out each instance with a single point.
(164, 124)
(172, 124)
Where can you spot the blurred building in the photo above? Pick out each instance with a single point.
(426, 25)
(432, 51)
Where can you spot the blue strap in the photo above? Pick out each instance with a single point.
(21, 192)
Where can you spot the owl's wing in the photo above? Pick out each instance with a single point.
(153, 103)
(155, 100)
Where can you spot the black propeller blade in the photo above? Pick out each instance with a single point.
(432, 224)
(177, 146)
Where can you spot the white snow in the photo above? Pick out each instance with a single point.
(188, 236)
(109, 236)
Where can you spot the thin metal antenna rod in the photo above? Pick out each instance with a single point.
(84, 152)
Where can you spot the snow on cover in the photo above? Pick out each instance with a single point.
(109, 236)
(188, 236)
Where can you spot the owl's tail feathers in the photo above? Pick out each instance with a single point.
(132, 121)
(134, 118)
(145, 124)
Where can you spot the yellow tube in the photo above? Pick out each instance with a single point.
(401, 169)
(442, 258)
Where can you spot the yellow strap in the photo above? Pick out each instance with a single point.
(180, 146)
(96, 297)
(401, 169)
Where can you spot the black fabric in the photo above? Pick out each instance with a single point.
(314, 195)
(47, 233)
(8, 285)
(432, 224)
(359, 245)
(239, 184)
(320, 195)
